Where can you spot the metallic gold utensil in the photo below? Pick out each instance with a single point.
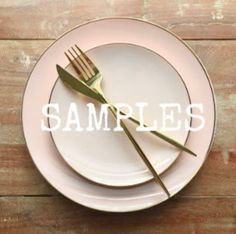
(89, 73)
(86, 61)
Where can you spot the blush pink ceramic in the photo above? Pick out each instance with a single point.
(131, 74)
(45, 154)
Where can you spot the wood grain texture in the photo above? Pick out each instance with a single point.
(28, 204)
(198, 19)
(19, 176)
(59, 215)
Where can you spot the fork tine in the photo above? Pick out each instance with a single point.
(75, 67)
(76, 61)
(84, 61)
(88, 61)
(85, 67)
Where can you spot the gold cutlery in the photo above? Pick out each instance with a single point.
(91, 86)
(84, 60)
(90, 74)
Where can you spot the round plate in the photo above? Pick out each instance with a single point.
(43, 150)
(107, 157)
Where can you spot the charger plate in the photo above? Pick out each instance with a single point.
(46, 156)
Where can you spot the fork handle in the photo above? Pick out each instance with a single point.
(138, 148)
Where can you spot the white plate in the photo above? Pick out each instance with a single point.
(131, 74)
(44, 152)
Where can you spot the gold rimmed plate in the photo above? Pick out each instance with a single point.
(132, 74)
(39, 88)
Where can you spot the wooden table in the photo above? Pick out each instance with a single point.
(28, 204)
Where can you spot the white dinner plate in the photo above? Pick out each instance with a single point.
(46, 156)
(131, 74)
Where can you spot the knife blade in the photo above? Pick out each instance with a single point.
(77, 84)
(83, 88)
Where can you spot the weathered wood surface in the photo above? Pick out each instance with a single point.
(199, 19)
(59, 215)
(28, 204)
(19, 176)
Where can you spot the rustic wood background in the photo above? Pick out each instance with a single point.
(28, 204)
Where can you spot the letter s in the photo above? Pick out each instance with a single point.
(55, 117)
(202, 120)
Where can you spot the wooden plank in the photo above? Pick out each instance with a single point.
(59, 215)
(49, 19)
(19, 176)
(217, 58)
(216, 177)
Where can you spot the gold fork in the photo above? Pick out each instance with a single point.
(96, 82)
(90, 74)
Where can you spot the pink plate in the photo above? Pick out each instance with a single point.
(107, 157)
(44, 152)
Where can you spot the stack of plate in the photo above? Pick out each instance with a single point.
(140, 62)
